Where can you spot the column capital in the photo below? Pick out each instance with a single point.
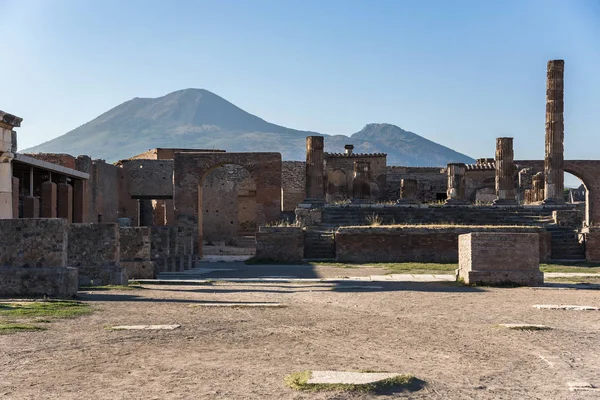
(9, 121)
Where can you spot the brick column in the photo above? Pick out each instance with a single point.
(80, 200)
(31, 207)
(65, 201)
(408, 191)
(456, 184)
(505, 170)
(554, 164)
(7, 149)
(315, 187)
(48, 199)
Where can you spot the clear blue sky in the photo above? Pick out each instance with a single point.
(457, 72)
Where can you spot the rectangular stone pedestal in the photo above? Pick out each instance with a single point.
(280, 244)
(38, 282)
(499, 258)
(592, 244)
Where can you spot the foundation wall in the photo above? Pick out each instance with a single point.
(285, 244)
(416, 244)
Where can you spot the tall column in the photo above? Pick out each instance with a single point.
(554, 164)
(64, 208)
(361, 188)
(505, 172)
(48, 199)
(80, 205)
(315, 188)
(7, 149)
(408, 191)
(456, 184)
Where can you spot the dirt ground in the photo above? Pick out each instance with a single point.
(443, 334)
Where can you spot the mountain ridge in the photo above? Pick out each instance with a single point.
(198, 118)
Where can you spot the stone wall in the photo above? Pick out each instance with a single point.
(104, 188)
(95, 250)
(568, 218)
(431, 182)
(499, 258)
(339, 171)
(415, 243)
(135, 252)
(64, 160)
(33, 258)
(228, 203)
(152, 179)
(172, 247)
(592, 245)
(280, 244)
(293, 184)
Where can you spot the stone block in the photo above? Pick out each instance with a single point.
(95, 250)
(568, 218)
(493, 258)
(139, 269)
(592, 244)
(135, 243)
(33, 258)
(280, 244)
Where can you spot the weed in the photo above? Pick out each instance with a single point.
(374, 220)
(8, 328)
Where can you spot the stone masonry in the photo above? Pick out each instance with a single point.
(456, 184)
(33, 259)
(505, 172)
(315, 187)
(499, 258)
(280, 244)
(94, 249)
(555, 133)
(135, 252)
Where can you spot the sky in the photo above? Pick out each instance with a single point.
(460, 73)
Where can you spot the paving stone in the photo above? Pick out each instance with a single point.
(241, 305)
(145, 327)
(565, 307)
(349, 378)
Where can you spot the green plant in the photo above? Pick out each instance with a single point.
(52, 309)
(374, 220)
(8, 328)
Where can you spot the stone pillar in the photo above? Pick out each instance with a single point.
(48, 199)
(408, 191)
(65, 201)
(315, 187)
(7, 149)
(505, 170)
(554, 164)
(456, 184)
(525, 185)
(80, 206)
(538, 187)
(361, 188)
(15, 197)
(31, 207)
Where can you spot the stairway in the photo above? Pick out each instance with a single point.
(319, 244)
(566, 245)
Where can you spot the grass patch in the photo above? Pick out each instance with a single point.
(8, 328)
(397, 268)
(112, 287)
(49, 309)
(571, 267)
(592, 280)
(299, 381)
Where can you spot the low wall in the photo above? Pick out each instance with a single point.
(499, 258)
(280, 244)
(33, 258)
(416, 243)
(135, 249)
(94, 249)
(592, 245)
(172, 248)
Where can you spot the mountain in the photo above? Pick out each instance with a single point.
(197, 118)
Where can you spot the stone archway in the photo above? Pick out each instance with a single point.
(589, 173)
(191, 168)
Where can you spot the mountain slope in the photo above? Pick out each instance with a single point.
(197, 118)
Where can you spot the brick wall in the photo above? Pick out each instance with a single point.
(431, 182)
(415, 244)
(280, 244)
(293, 184)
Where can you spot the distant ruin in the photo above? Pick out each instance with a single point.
(162, 210)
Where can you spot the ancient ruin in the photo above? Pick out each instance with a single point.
(166, 209)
